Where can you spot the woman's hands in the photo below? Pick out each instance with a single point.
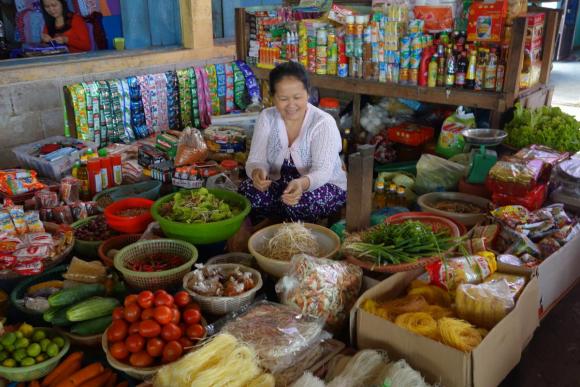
(45, 38)
(260, 179)
(294, 190)
(60, 39)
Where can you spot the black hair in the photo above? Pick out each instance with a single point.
(289, 69)
(51, 21)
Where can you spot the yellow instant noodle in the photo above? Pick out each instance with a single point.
(420, 323)
(438, 312)
(459, 334)
(432, 294)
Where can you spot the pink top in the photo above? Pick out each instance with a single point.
(315, 151)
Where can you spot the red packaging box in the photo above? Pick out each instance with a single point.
(486, 21)
(410, 134)
(533, 200)
(534, 29)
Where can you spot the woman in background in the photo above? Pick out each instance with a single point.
(64, 27)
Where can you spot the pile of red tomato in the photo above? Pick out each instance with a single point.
(154, 328)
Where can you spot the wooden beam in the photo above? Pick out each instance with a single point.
(476, 99)
(515, 60)
(241, 34)
(553, 18)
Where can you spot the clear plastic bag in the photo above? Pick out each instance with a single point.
(321, 288)
(437, 174)
(191, 148)
(278, 333)
(471, 269)
(486, 304)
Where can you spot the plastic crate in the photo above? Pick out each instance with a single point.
(55, 170)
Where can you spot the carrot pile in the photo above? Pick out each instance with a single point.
(71, 373)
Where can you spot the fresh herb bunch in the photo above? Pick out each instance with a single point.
(197, 206)
(547, 126)
(400, 243)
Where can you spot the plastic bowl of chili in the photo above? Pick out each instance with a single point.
(129, 216)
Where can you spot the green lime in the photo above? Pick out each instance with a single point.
(9, 363)
(3, 356)
(1, 348)
(40, 358)
(27, 362)
(19, 354)
(9, 339)
(58, 341)
(52, 350)
(9, 348)
(22, 342)
(19, 334)
(38, 335)
(44, 343)
(33, 350)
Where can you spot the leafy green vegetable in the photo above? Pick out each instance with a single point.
(544, 126)
(197, 206)
(399, 243)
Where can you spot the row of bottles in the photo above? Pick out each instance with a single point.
(450, 67)
(97, 172)
(392, 196)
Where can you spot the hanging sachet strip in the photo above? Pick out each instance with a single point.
(195, 107)
(117, 113)
(163, 112)
(185, 103)
(126, 99)
(154, 104)
(212, 84)
(145, 97)
(106, 113)
(221, 86)
(95, 100)
(239, 87)
(204, 97)
(80, 111)
(137, 112)
(90, 117)
(251, 82)
(172, 100)
(229, 88)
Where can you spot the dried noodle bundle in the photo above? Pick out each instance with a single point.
(459, 334)
(361, 369)
(391, 309)
(289, 240)
(438, 312)
(420, 323)
(434, 295)
(400, 374)
(308, 380)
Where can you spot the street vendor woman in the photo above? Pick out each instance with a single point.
(64, 27)
(294, 165)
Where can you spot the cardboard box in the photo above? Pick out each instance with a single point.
(485, 366)
(486, 21)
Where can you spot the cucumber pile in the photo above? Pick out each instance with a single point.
(84, 309)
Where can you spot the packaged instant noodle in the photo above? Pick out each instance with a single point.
(471, 269)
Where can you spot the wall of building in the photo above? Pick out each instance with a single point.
(31, 105)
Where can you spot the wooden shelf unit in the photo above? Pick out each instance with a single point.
(497, 103)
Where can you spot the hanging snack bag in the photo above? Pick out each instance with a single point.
(451, 141)
(191, 148)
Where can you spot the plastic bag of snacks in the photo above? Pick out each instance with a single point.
(19, 181)
(191, 149)
(514, 178)
(471, 269)
(451, 141)
(486, 304)
(321, 287)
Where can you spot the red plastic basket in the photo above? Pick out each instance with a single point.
(411, 134)
(129, 224)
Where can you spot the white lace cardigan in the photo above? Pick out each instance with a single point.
(315, 151)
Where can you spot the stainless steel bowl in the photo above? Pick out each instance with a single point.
(489, 137)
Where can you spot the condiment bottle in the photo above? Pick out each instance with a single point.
(95, 179)
(231, 170)
(432, 72)
(117, 169)
(441, 66)
(490, 71)
(450, 68)
(461, 70)
(470, 76)
(480, 69)
(379, 198)
(83, 176)
(349, 37)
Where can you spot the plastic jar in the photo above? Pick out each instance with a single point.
(231, 169)
(332, 107)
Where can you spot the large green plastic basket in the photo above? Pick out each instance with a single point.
(161, 279)
(204, 233)
(37, 371)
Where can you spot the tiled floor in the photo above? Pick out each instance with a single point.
(552, 358)
(565, 76)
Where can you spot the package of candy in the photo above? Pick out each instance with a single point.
(17, 215)
(6, 225)
(33, 221)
